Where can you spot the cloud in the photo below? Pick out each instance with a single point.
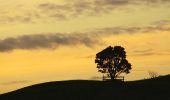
(16, 82)
(130, 30)
(47, 41)
(162, 23)
(69, 9)
(80, 7)
(76, 8)
(21, 16)
(88, 57)
(88, 39)
(144, 51)
(149, 52)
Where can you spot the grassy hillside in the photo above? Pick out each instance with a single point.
(150, 89)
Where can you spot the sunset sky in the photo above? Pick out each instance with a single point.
(54, 40)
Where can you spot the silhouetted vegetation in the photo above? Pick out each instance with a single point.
(153, 74)
(112, 62)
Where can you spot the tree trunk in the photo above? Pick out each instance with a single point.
(111, 72)
(112, 76)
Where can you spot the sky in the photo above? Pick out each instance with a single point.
(55, 40)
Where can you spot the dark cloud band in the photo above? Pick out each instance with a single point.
(46, 41)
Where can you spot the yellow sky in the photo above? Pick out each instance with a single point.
(141, 27)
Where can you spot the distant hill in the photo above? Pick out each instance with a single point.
(149, 89)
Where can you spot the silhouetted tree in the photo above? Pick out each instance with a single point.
(112, 62)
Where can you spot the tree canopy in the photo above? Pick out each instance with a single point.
(112, 62)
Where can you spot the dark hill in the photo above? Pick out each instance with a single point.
(150, 89)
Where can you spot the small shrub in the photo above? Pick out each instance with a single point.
(153, 74)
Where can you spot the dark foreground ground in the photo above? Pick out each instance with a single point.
(150, 89)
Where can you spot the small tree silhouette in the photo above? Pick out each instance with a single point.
(112, 62)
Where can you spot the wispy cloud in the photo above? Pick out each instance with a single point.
(152, 53)
(144, 51)
(80, 7)
(70, 9)
(16, 82)
(149, 52)
(131, 30)
(89, 56)
(76, 8)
